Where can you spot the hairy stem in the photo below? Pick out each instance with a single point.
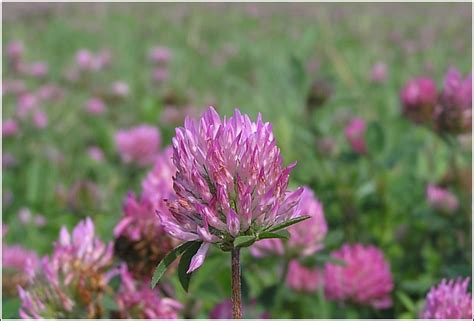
(236, 291)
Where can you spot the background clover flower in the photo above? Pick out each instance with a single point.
(419, 98)
(50, 92)
(441, 199)
(158, 183)
(306, 239)
(378, 73)
(139, 238)
(17, 262)
(160, 74)
(304, 279)
(223, 310)
(88, 61)
(138, 145)
(96, 153)
(45, 296)
(119, 89)
(355, 132)
(229, 181)
(26, 104)
(174, 115)
(160, 55)
(364, 279)
(95, 106)
(37, 69)
(13, 87)
(84, 59)
(9, 127)
(74, 277)
(40, 119)
(137, 300)
(456, 90)
(454, 112)
(82, 249)
(8, 160)
(15, 51)
(448, 300)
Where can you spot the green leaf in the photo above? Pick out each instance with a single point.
(167, 260)
(288, 223)
(274, 235)
(244, 241)
(184, 277)
(374, 136)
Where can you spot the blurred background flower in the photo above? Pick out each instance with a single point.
(419, 98)
(355, 134)
(139, 301)
(448, 300)
(364, 279)
(441, 199)
(138, 145)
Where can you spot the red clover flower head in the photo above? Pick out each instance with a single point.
(136, 299)
(139, 144)
(139, 238)
(419, 98)
(441, 199)
(304, 279)
(454, 113)
(448, 300)
(74, 277)
(364, 279)
(229, 181)
(9, 127)
(158, 184)
(160, 55)
(17, 262)
(355, 134)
